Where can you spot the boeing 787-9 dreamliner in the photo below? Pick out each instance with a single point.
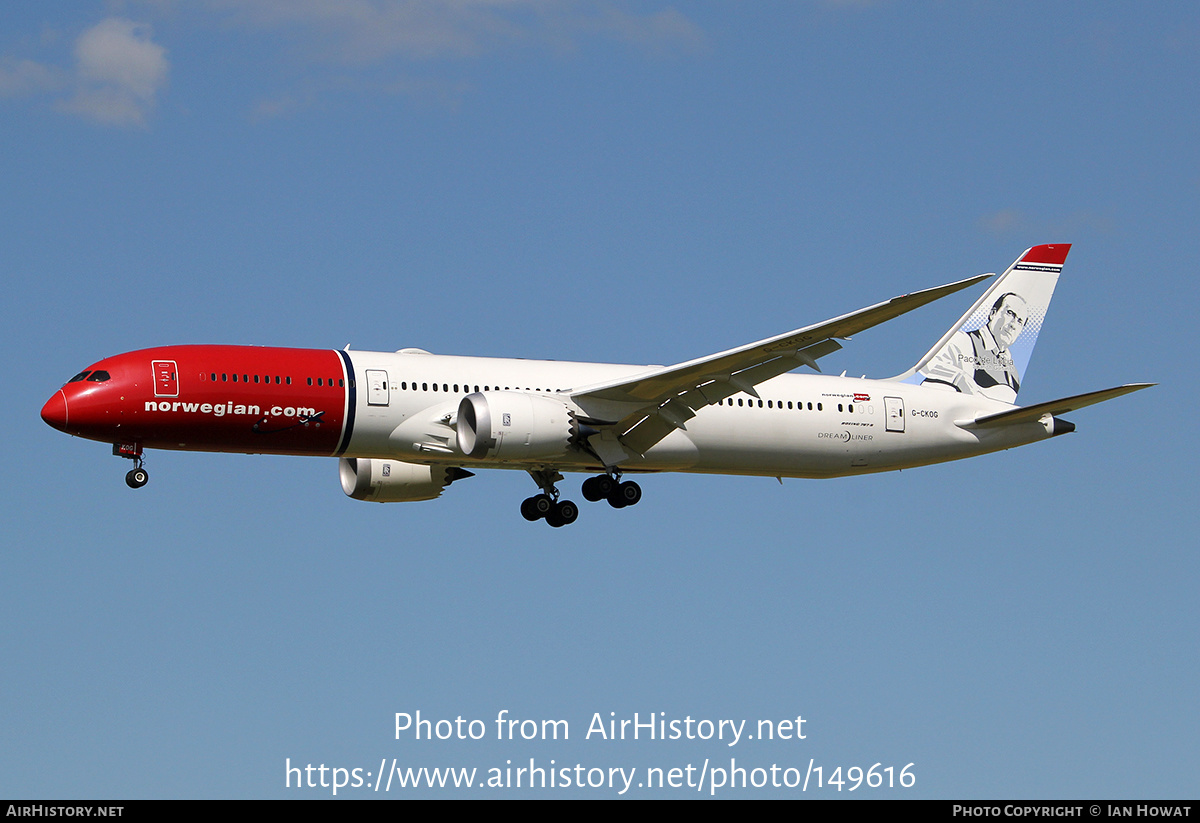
(405, 425)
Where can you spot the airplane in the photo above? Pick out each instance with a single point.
(405, 425)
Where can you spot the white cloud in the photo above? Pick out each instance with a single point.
(364, 31)
(23, 77)
(1003, 221)
(396, 34)
(1013, 221)
(119, 72)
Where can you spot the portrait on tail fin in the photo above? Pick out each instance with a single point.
(987, 351)
(978, 361)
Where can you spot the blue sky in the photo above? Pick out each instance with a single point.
(629, 182)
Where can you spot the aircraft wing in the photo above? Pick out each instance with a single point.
(667, 397)
(1028, 414)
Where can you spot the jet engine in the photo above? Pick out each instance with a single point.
(393, 481)
(515, 426)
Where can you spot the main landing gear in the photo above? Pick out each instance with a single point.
(547, 505)
(136, 477)
(561, 512)
(606, 487)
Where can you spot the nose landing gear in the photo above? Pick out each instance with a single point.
(136, 477)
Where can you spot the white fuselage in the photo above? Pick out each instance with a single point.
(800, 425)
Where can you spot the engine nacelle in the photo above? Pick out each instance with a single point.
(394, 481)
(505, 425)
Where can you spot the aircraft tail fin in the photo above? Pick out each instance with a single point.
(987, 350)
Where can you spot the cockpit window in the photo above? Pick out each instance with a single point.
(80, 376)
(98, 376)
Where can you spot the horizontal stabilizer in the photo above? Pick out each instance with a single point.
(1030, 414)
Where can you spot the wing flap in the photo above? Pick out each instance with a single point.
(641, 430)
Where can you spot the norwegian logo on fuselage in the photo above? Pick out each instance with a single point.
(861, 398)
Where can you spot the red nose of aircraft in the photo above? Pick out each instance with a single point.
(55, 411)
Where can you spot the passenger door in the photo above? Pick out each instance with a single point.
(894, 409)
(377, 387)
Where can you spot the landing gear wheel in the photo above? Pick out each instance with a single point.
(536, 507)
(136, 478)
(528, 511)
(625, 494)
(598, 488)
(563, 514)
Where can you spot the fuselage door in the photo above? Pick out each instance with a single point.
(894, 408)
(377, 387)
(166, 378)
